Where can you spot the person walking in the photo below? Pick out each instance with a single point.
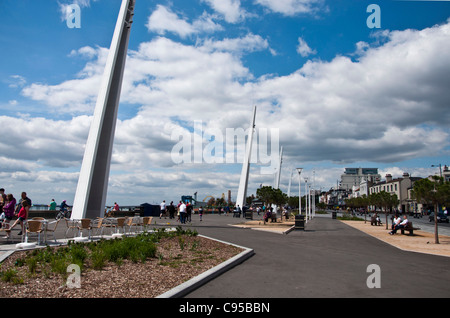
(163, 209)
(171, 209)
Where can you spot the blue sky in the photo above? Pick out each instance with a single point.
(339, 93)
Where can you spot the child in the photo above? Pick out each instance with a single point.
(21, 217)
(200, 212)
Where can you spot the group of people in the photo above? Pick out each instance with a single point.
(184, 211)
(9, 207)
(111, 211)
(398, 223)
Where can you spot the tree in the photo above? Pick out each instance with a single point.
(374, 200)
(388, 201)
(293, 202)
(270, 195)
(383, 200)
(249, 200)
(435, 192)
(364, 202)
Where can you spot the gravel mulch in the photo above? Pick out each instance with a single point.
(173, 266)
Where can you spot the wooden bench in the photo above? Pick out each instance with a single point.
(410, 228)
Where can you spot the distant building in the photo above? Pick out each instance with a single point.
(446, 173)
(399, 186)
(353, 177)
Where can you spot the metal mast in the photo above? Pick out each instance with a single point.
(242, 191)
(90, 196)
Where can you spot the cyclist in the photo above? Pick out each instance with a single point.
(63, 209)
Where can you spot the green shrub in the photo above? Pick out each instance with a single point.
(11, 276)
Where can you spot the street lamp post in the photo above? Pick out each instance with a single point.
(309, 202)
(299, 170)
(440, 169)
(314, 195)
(306, 199)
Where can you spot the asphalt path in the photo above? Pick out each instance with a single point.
(328, 259)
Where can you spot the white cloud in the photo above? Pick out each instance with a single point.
(163, 20)
(64, 6)
(17, 81)
(303, 48)
(388, 105)
(73, 96)
(249, 43)
(230, 9)
(291, 7)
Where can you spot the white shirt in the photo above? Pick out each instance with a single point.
(182, 208)
(404, 222)
(163, 205)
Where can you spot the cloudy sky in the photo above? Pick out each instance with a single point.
(331, 91)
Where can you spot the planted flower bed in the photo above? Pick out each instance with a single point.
(146, 265)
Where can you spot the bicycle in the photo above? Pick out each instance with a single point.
(63, 214)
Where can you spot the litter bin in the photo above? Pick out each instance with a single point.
(334, 215)
(299, 222)
(249, 215)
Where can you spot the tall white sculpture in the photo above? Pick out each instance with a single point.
(90, 196)
(278, 174)
(242, 191)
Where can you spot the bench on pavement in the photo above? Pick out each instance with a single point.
(410, 228)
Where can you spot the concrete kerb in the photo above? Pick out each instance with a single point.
(194, 283)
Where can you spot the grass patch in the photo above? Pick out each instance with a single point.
(348, 217)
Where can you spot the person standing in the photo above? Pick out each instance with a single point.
(52, 205)
(183, 213)
(8, 209)
(200, 212)
(189, 209)
(2, 199)
(23, 197)
(116, 207)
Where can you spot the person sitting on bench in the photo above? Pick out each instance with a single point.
(375, 220)
(402, 225)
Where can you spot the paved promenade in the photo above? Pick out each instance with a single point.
(328, 259)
